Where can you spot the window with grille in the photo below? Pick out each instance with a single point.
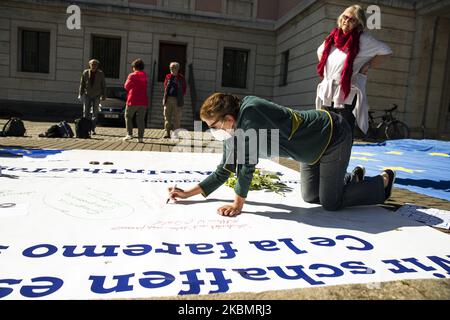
(284, 67)
(107, 51)
(35, 51)
(234, 73)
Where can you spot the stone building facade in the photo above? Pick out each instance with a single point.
(248, 47)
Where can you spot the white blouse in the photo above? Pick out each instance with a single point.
(329, 90)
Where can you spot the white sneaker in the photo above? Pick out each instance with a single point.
(127, 138)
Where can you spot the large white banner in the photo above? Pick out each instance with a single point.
(73, 229)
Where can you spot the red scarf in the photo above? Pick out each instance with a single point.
(346, 42)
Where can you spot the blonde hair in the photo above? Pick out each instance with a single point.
(218, 105)
(360, 17)
(94, 60)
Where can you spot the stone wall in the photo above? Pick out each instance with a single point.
(140, 36)
(303, 35)
(415, 77)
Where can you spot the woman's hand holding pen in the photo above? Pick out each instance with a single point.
(177, 193)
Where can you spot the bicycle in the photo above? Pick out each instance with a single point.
(389, 128)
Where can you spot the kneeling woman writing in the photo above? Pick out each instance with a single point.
(319, 140)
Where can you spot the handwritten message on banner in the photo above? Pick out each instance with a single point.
(71, 230)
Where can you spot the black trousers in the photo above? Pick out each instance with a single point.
(346, 113)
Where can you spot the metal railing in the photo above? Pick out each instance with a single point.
(152, 89)
(193, 92)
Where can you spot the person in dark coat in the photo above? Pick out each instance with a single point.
(320, 140)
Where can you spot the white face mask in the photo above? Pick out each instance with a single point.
(220, 134)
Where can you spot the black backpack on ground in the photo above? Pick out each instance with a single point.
(59, 130)
(83, 128)
(65, 130)
(52, 132)
(13, 128)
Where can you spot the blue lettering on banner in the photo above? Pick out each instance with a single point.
(18, 169)
(357, 267)
(291, 246)
(219, 280)
(228, 250)
(252, 273)
(265, 245)
(225, 248)
(141, 171)
(137, 250)
(416, 262)
(441, 262)
(7, 291)
(69, 251)
(29, 252)
(32, 291)
(400, 267)
(43, 290)
(108, 171)
(367, 245)
(98, 284)
(299, 274)
(200, 248)
(336, 272)
(113, 171)
(192, 281)
(156, 279)
(327, 242)
(91, 170)
(168, 171)
(206, 248)
(171, 249)
(203, 173)
(322, 241)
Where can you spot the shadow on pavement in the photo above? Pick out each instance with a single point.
(367, 219)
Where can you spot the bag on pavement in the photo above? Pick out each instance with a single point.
(83, 128)
(59, 130)
(52, 132)
(13, 128)
(65, 130)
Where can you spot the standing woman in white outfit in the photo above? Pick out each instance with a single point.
(345, 57)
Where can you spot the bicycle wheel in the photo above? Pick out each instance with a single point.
(397, 130)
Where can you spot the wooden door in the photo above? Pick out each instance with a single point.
(170, 52)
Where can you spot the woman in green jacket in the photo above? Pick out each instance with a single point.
(319, 140)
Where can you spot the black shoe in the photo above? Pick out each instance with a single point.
(358, 173)
(388, 189)
(93, 133)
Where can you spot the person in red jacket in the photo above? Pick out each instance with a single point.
(173, 101)
(137, 100)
